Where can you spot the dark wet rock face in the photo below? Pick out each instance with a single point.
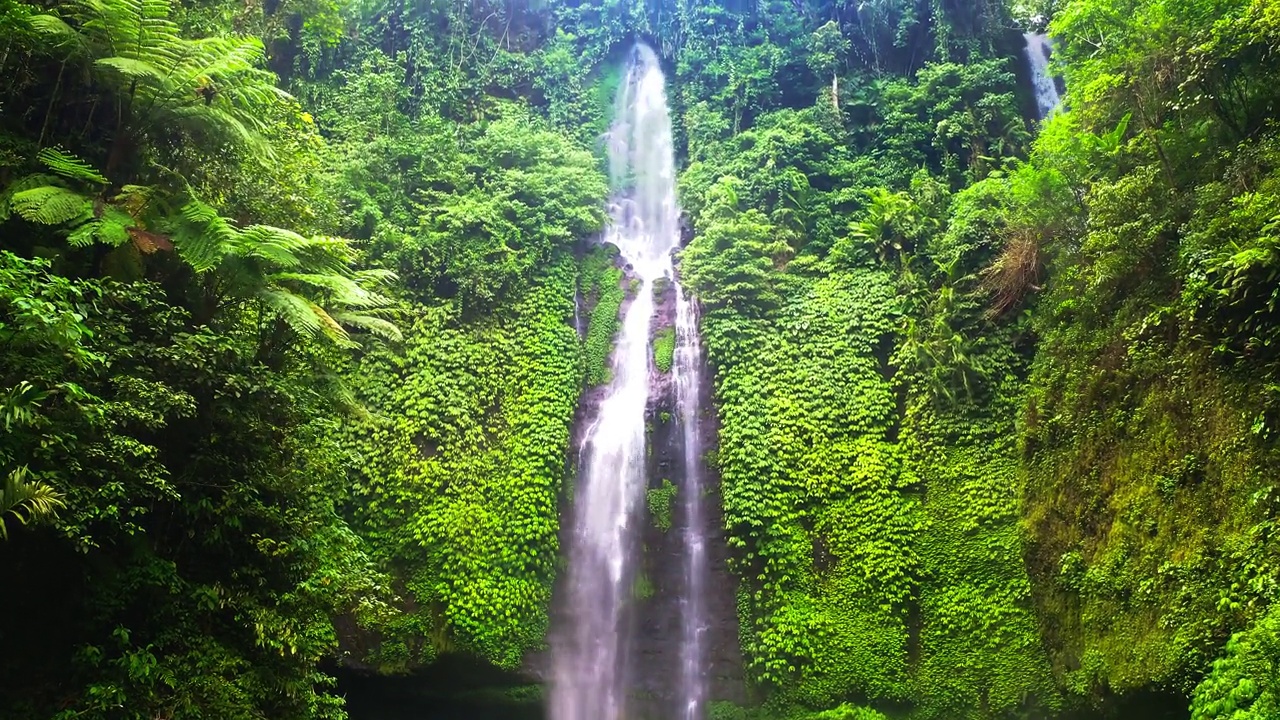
(661, 582)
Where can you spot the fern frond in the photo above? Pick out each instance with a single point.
(69, 166)
(113, 227)
(204, 237)
(132, 68)
(372, 324)
(328, 254)
(57, 33)
(134, 198)
(83, 235)
(50, 204)
(198, 212)
(218, 125)
(376, 277)
(276, 245)
(344, 291)
(293, 309)
(23, 183)
(331, 327)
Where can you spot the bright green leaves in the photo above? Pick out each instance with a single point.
(49, 204)
(526, 192)
(214, 472)
(463, 458)
(731, 261)
(1243, 683)
(664, 348)
(26, 501)
(307, 283)
(809, 489)
(600, 284)
(213, 87)
(70, 198)
(661, 501)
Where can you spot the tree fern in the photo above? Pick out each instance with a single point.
(202, 237)
(294, 309)
(26, 183)
(210, 86)
(71, 197)
(341, 290)
(306, 281)
(26, 501)
(382, 327)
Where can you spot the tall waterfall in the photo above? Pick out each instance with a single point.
(1037, 50)
(589, 653)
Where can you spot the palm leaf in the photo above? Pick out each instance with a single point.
(27, 501)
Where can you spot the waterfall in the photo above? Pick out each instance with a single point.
(1037, 50)
(588, 653)
(693, 620)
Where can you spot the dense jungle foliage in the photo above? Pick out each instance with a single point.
(298, 299)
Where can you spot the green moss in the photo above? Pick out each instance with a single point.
(1145, 513)
(642, 587)
(601, 281)
(664, 348)
(661, 499)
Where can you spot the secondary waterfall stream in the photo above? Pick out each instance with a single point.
(693, 625)
(589, 649)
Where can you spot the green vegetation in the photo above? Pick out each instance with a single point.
(661, 501)
(642, 587)
(602, 283)
(288, 360)
(232, 436)
(994, 432)
(664, 349)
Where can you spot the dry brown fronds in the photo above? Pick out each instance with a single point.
(1015, 273)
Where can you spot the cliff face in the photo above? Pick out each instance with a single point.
(1149, 506)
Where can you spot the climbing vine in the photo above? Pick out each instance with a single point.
(462, 457)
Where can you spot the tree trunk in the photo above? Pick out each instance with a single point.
(48, 113)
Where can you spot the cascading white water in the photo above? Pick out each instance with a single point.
(687, 368)
(588, 681)
(1037, 50)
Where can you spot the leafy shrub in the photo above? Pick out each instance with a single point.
(661, 501)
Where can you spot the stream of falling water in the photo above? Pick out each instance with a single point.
(693, 620)
(589, 652)
(1037, 49)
